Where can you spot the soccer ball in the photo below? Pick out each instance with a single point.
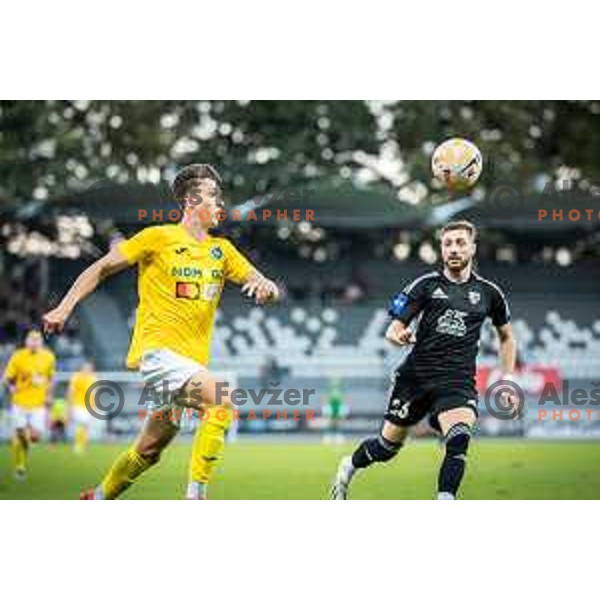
(457, 163)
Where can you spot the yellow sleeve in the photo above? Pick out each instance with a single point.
(140, 246)
(51, 366)
(237, 266)
(12, 367)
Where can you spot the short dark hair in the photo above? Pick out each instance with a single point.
(456, 225)
(191, 176)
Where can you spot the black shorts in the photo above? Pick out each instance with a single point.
(410, 400)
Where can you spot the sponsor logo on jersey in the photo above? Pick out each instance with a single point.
(181, 250)
(186, 272)
(399, 408)
(474, 296)
(188, 290)
(452, 322)
(439, 294)
(216, 253)
(211, 291)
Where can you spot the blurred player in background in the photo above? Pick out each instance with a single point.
(181, 272)
(28, 375)
(335, 411)
(58, 421)
(438, 376)
(79, 415)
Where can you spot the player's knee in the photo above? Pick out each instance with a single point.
(381, 450)
(457, 440)
(150, 454)
(150, 449)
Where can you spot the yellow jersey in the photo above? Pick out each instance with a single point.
(78, 387)
(31, 374)
(180, 280)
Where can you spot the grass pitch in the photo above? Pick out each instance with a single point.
(497, 469)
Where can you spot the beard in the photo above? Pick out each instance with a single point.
(457, 264)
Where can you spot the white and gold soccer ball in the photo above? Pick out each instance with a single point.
(457, 163)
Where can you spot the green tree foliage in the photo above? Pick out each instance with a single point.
(519, 140)
(52, 148)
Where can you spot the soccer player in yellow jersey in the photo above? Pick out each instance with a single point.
(181, 272)
(79, 416)
(29, 375)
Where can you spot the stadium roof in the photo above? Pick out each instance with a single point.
(349, 207)
(557, 216)
(345, 206)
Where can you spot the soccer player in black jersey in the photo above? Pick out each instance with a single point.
(438, 376)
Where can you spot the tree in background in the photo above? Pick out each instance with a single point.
(51, 148)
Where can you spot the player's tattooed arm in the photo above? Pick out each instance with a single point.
(261, 288)
(508, 356)
(85, 284)
(400, 334)
(508, 348)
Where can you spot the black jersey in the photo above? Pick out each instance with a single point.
(449, 327)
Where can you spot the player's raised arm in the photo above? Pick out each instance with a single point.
(112, 262)
(261, 288)
(239, 270)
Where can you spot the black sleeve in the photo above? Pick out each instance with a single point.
(499, 311)
(409, 302)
